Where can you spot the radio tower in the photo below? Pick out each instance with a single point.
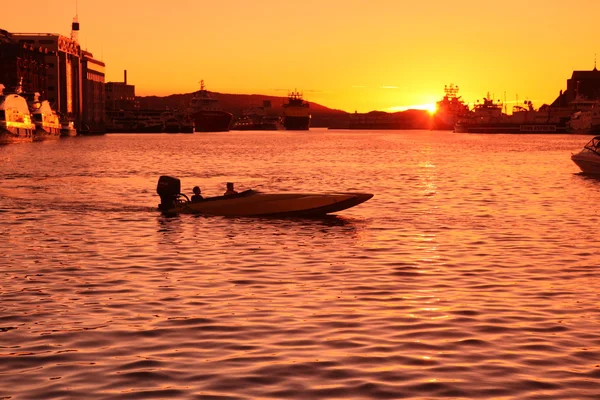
(75, 25)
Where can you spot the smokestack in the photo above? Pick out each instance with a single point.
(125, 77)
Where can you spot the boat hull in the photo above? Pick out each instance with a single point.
(255, 204)
(212, 121)
(588, 163)
(43, 133)
(15, 135)
(68, 132)
(294, 123)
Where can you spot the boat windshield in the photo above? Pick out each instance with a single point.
(594, 145)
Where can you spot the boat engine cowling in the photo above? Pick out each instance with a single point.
(168, 189)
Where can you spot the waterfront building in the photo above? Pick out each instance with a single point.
(584, 84)
(120, 95)
(63, 73)
(23, 64)
(55, 66)
(94, 103)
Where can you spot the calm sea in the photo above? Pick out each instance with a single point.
(472, 273)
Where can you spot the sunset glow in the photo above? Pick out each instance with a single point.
(353, 55)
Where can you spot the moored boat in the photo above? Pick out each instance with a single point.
(449, 110)
(68, 128)
(488, 117)
(255, 204)
(15, 120)
(47, 123)
(206, 115)
(296, 113)
(588, 159)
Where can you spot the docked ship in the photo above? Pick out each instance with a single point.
(177, 123)
(47, 123)
(585, 117)
(296, 113)
(449, 110)
(67, 128)
(206, 115)
(15, 120)
(170, 122)
(258, 119)
(488, 117)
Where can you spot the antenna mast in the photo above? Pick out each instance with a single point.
(75, 24)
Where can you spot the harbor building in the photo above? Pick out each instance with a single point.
(584, 84)
(93, 87)
(23, 64)
(63, 73)
(120, 95)
(55, 66)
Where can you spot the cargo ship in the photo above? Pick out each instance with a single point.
(449, 110)
(488, 117)
(296, 113)
(15, 120)
(205, 114)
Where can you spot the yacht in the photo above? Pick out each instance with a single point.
(15, 119)
(47, 123)
(588, 159)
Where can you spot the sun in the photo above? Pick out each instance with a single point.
(431, 108)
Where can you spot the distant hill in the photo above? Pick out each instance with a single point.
(234, 103)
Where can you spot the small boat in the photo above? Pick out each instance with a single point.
(16, 125)
(252, 203)
(588, 159)
(68, 128)
(46, 120)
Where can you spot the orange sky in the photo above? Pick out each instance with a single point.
(346, 54)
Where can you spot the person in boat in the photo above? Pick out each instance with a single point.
(197, 196)
(230, 189)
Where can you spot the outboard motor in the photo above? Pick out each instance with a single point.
(168, 189)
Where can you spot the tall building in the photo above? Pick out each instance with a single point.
(63, 73)
(94, 104)
(55, 66)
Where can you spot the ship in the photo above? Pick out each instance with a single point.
(46, 120)
(449, 110)
(15, 119)
(206, 115)
(258, 119)
(67, 127)
(585, 117)
(296, 113)
(488, 117)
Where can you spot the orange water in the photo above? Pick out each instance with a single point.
(472, 273)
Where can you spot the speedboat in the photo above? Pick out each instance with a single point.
(588, 159)
(254, 203)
